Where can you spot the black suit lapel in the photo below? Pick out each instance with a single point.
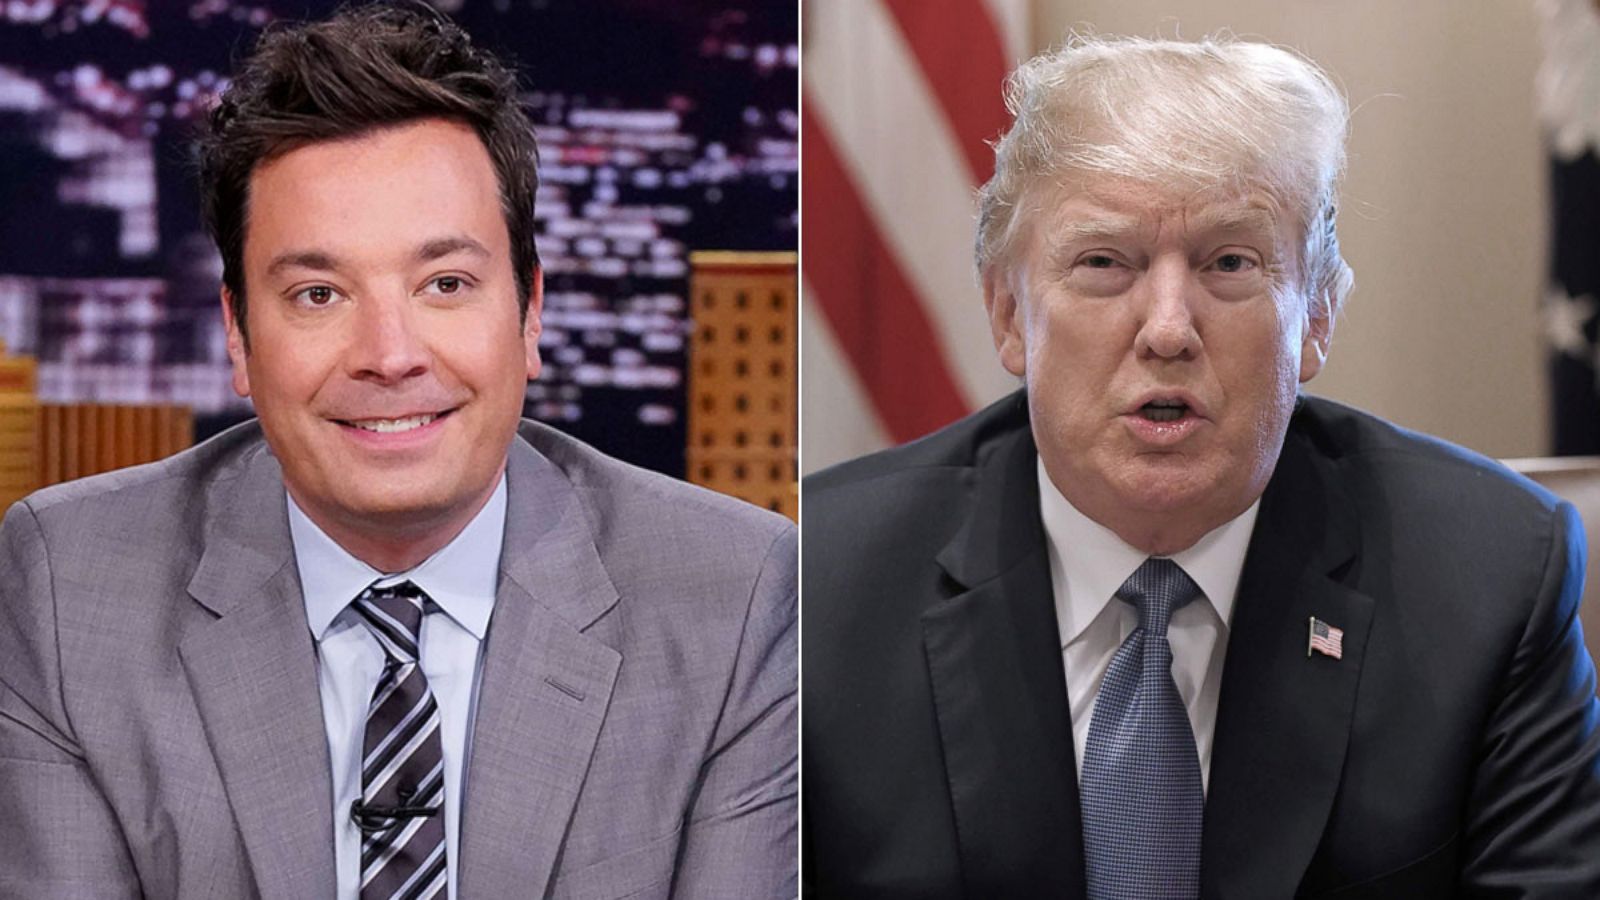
(1283, 720)
(994, 661)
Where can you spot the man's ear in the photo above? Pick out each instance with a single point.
(1316, 336)
(238, 350)
(531, 327)
(1005, 320)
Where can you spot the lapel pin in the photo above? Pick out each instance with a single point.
(1325, 639)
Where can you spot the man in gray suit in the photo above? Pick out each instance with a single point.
(385, 641)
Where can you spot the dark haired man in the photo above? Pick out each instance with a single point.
(386, 641)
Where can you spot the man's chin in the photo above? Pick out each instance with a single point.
(1170, 488)
(422, 500)
(382, 508)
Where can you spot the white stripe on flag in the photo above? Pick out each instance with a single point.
(836, 418)
(1011, 20)
(864, 83)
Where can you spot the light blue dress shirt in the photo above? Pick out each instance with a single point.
(461, 579)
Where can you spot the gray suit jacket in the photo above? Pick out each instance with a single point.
(160, 726)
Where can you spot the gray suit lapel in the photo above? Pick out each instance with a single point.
(253, 671)
(545, 689)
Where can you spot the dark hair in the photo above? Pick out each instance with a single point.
(365, 68)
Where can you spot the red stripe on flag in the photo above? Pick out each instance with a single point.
(962, 56)
(869, 303)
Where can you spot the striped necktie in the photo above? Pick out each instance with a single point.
(1143, 799)
(401, 811)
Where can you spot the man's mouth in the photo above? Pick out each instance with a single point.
(394, 426)
(1164, 410)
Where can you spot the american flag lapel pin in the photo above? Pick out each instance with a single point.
(1325, 639)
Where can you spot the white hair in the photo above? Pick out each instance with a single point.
(1217, 113)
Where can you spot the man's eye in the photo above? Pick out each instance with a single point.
(447, 284)
(1099, 261)
(316, 295)
(1233, 262)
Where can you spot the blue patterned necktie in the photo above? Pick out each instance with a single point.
(402, 769)
(1143, 800)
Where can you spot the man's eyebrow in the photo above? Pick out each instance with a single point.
(428, 251)
(1101, 227)
(303, 259)
(1235, 219)
(440, 247)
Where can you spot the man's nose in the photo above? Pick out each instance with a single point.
(387, 345)
(1168, 329)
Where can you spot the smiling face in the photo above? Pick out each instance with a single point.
(386, 360)
(1162, 338)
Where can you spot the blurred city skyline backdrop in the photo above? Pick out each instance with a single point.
(664, 128)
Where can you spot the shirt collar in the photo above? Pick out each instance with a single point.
(461, 578)
(1088, 562)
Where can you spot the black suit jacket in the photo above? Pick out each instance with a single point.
(1454, 750)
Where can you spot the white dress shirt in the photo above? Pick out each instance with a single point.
(1088, 563)
(461, 579)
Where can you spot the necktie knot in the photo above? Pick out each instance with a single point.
(394, 615)
(1157, 589)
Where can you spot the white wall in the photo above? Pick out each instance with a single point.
(1443, 215)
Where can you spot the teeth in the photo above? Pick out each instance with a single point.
(389, 426)
(1163, 413)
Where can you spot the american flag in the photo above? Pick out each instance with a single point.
(1325, 639)
(1569, 82)
(901, 98)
